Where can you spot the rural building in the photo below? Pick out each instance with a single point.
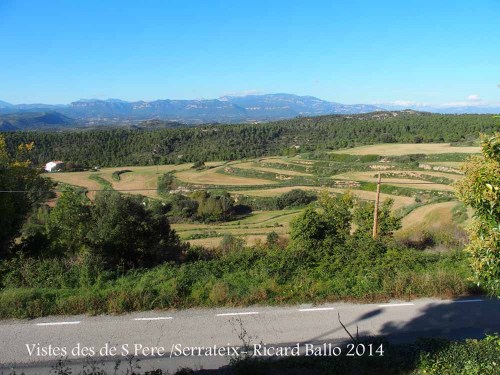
(54, 166)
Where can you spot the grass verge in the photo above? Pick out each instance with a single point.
(248, 276)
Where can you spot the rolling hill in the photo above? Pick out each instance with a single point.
(34, 120)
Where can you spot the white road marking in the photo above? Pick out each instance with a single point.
(317, 309)
(468, 300)
(241, 313)
(57, 323)
(157, 318)
(396, 304)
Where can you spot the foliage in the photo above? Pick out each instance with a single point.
(29, 190)
(231, 243)
(120, 230)
(123, 230)
(213, 207)
(461, 358)
(182, 207)
(116, 174)
(295, 198)
(166, 182)
(360, 270)
(105, 184)
(480, 189)
(231, 142)
(199, 164)
(67, 224)
(201, 206)
(329, 225)
(387, 222)
(272, 238)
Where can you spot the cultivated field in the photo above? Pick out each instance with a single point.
(392, 149)
(422, 189)
(214, 176)
(255, 166)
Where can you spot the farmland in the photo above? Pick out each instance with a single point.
(392, 149)
(418, 177)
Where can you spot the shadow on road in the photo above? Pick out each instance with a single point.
(455, 320)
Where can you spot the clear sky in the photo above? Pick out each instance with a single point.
(356, 51)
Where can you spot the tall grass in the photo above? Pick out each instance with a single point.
(244, 277)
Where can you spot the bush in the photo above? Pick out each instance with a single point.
(272, 238)
(359, 270)
(166, 182)
(480, 189)
(116, 174)
(120, 230)
(462, 358)
(231, 243)
(198, 165)
(294, 198)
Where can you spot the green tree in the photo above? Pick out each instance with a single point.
(294, 198)
(327, 226)
(124, 231)
(183, 207)
(387, 222)
(213, 207)
(480, 189)
(199, 164)
(68, 223)
(23, 189)
(309, 229)
(337, 213)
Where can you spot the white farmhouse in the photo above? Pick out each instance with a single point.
(54, 166)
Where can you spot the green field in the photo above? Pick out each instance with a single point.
(417, 186)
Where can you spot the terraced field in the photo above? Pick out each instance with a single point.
(255, 166)
(421, 188)
(254, 227)
(213, 176)
(137, 180)
(413, 179)
(399, 201)
(393, 149)
(431, 215)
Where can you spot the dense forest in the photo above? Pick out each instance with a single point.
(143, 146)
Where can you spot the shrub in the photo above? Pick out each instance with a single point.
(272, 238)
(116, 174)
(200, 164)
(231, 243)
(294, 198)
(480, 189)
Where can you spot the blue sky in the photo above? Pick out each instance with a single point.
(421, 51)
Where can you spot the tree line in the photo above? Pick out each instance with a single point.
(115, 147)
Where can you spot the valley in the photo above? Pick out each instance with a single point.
(418, 193)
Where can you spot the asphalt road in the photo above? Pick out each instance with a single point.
(164, 339)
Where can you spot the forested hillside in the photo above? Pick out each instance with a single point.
(120, 147)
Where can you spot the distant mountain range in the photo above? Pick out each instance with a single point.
(227, 109)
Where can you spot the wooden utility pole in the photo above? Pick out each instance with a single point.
(375, 212)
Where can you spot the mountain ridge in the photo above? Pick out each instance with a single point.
(226, 109)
